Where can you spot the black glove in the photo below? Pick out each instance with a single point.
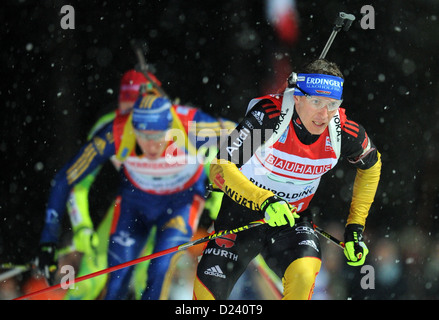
(278, 212)
(355, 249)
(46, 260)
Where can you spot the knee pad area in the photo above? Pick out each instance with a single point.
(299, 278)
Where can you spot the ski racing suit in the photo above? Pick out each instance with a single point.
(166, 193)
(291, 168)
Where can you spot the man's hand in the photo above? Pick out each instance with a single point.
(85, 240)
(46, 260)
(355, 249)
(278, 212)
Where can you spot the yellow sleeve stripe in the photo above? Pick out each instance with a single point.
(364, 190)
(230, 125)
(81, 164)
(147, 101)
(212, 128)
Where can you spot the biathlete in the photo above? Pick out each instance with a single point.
(162, 184)
(276, 180)
(91, 242)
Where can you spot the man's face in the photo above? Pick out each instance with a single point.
(151, 142)
(315, 119)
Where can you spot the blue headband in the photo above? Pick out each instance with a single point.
(152, 113)
(322, 85)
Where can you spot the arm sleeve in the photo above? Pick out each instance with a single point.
(227, 177)
(91, 155)
(364, 190)
(205, 130)
(78, 204)
(361, 152)
(256, 127)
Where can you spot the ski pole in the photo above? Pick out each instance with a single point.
(319, 230)
(328, 236)
(144, 67)
(13, 271)
(148, 257)
(344, 21)
(9, 265)
(16, 269)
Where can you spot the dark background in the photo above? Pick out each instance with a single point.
(217, 55)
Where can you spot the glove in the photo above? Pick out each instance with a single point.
(46, 260)
(85, 240)
(355, 249)
(278, 212)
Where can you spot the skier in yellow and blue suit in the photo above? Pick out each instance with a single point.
(92, 243)
(162, 185)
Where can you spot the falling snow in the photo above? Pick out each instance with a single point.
(55, 84)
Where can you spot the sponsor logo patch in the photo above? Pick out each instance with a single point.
(215, 271)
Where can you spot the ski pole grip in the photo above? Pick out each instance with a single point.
(344, 20)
